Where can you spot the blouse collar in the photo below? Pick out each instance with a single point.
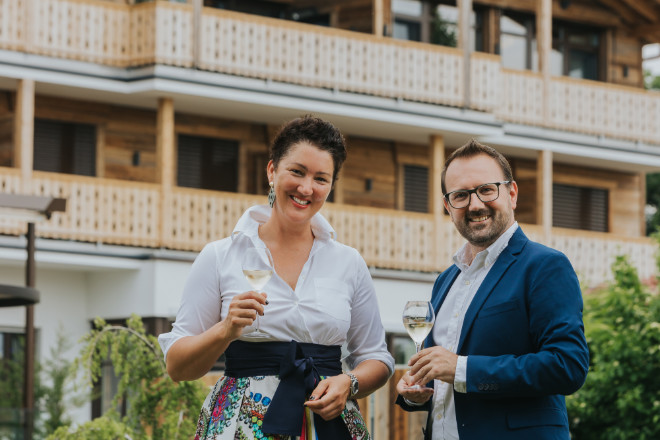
(255, 216)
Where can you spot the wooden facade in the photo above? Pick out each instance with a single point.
(387, 202)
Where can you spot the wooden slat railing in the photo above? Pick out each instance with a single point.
(142, 214)
(261, 47)
(258, 47)
(604, 109)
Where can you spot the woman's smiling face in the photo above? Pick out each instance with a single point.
(302, 181)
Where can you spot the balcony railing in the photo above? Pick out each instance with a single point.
(141, 214)
(258, 47)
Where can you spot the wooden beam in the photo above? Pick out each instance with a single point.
(100, 150)
(587, 14)
(621, 9)
(165, 151)
(644, 9)
(197, 31)
(437, 162)
(544, 192)
(338, 190)
(464, 12)
(544, 41)
(24, 129)
(378, 21)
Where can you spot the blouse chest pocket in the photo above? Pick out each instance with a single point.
(333, 298)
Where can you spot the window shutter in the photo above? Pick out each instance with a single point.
(416, 188)
(579, 207)
(207, 163)
(62, 147)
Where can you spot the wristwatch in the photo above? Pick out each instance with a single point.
(354, 384)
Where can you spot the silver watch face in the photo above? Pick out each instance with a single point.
(354, 385)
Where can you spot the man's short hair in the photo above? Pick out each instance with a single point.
(474, 148)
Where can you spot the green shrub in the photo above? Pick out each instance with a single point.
(157, 407)
(621, 397)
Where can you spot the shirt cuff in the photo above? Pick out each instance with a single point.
(460, 377)
(411, 403)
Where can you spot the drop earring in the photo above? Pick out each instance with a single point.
(271, 194)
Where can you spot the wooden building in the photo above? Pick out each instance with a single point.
(153, 119)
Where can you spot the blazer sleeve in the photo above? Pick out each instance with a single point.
(557, 359)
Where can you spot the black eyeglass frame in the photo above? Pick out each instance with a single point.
(475, 191)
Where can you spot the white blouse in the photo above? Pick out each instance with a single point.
(334, 301)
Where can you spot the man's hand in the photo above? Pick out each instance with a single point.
(416, 395)
(433, 363)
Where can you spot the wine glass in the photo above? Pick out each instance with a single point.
(258, 268)
(418, 319)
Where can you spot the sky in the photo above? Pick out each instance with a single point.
(652, 50)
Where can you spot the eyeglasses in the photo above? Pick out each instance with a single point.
(488, 192)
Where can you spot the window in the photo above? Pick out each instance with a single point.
(518, 41)
(415, 188)
(578, 207)
(575, 51)
(12, 355)
(401, 347)
(273, 9)
(430, 22)
(63, 147)
(207, 163)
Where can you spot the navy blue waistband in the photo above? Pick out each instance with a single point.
(245, 359)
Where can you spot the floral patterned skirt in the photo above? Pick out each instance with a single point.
(235, 408)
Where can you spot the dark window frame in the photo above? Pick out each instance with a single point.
(65, 147)
(561, 41)
(200, 165)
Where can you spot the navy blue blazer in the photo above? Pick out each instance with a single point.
(524, 338)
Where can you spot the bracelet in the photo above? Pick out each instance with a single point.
(411, 403)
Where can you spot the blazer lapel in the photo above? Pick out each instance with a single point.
(506, 258)
(438, 296)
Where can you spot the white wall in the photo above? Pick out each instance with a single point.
(392, 296)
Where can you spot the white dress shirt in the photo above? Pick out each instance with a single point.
(334, 302)
(448, 325)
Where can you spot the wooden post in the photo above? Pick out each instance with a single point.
(166, 162)
(24, 130)
(544, 193)
(437, 161)
(464, 31)
(243, 155)
(100, 150)
(378, 22)
(197, 31)
(544, 39)
(436, 205)
(338, 196)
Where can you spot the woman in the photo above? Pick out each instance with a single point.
(320, 297)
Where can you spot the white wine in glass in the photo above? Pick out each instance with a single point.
(418, 319)
(257, 268)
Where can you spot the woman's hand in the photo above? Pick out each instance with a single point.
(329, 397)
(242, 312)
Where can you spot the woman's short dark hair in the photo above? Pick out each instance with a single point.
(316, 131)
(474, 148)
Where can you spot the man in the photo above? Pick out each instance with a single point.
(508, 341)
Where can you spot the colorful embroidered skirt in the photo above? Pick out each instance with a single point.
(235, 408)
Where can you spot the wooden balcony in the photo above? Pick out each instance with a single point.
(257, 47)
(141, 214)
